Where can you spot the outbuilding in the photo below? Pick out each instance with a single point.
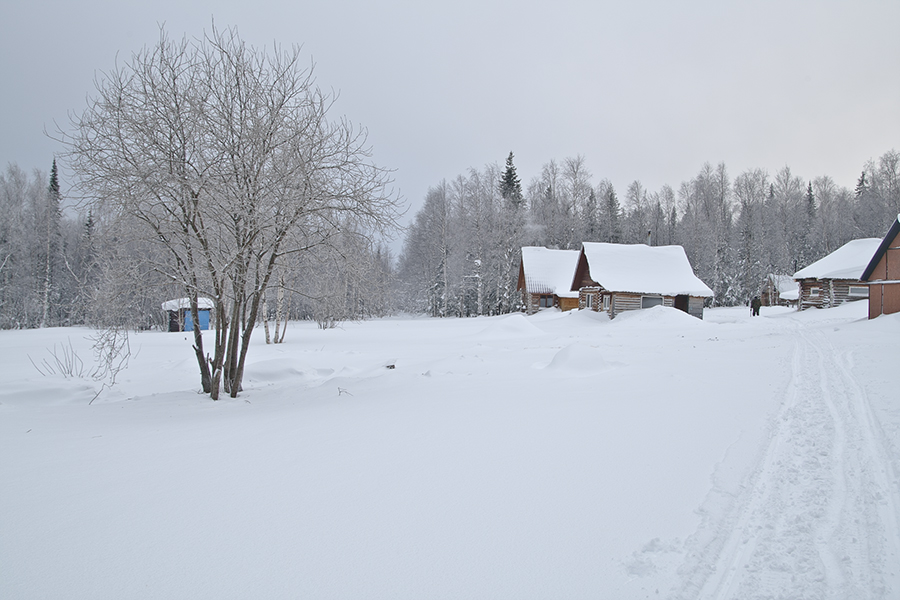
(778, 290)
(882, 274)
(179, 312)
(619, 277)
(545, 278)
(835, 279)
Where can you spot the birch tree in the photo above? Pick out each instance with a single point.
(225, 155)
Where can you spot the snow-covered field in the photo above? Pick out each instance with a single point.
(552, 456)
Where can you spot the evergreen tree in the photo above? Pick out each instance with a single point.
(810, 203)
(51, 217)
(510, 186)
(861, 185)
(612, 231)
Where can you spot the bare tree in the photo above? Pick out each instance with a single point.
(226, 156)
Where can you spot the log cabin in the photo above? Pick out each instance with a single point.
(882, 274)
(835, 279)
(619, 277)
(545, 278)
(778, 290)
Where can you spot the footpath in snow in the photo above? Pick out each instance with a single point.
(818, 516)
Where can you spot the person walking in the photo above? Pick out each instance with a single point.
(754, 306)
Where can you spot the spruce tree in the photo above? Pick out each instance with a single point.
(51, 248)
(862, 185)
(810, 204)
(612, 212)
(510, 186)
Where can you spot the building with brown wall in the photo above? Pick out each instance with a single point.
(545, 278)
(619, 277)
(834, 279)
(882, 274)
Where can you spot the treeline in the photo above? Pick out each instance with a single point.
(461, 253)
(45, 257)
(60, 267)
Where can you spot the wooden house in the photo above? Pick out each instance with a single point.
(883, 274)
(835, 279)
(778, 290)
(545, 278)
(618, 277)
(179, 312)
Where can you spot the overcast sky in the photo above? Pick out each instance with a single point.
(643, 90)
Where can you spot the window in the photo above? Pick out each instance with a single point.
(650, 301)
(589, 301)
(605, 301)
(546, 301)
(813, 292)
(859, 291)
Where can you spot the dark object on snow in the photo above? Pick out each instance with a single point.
(754, 306)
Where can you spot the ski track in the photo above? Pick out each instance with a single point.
(819, 517)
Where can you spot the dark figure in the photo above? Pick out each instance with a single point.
(754, 306)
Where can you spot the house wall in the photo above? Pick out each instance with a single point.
(884, 299)
(622, 302)
(890, 301)
(596, 292)
(888, 268)
(832, 292)
(569, 303)
(695, 306)
(532, 302)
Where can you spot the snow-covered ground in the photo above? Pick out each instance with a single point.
(552, 456)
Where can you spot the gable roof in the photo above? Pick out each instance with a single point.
(847, 262)
(549, 271)
(882, 248)
(643, 269)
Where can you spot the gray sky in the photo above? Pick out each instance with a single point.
(644, 90)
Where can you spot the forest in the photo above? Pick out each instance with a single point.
(461, 252)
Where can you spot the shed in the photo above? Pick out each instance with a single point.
(882, 274)
(179, 312)
(620, 277)
(778, 290)
(834, 279)
(545, 278)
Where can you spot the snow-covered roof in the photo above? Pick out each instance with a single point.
(790, 295)
(549, 271)
(847, 262)
(643, 269)
(783, 283)
(202, 304)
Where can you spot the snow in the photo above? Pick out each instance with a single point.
(549, 271)
(643, 269)
(202, 304)
(556, 455)
(847, 262)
